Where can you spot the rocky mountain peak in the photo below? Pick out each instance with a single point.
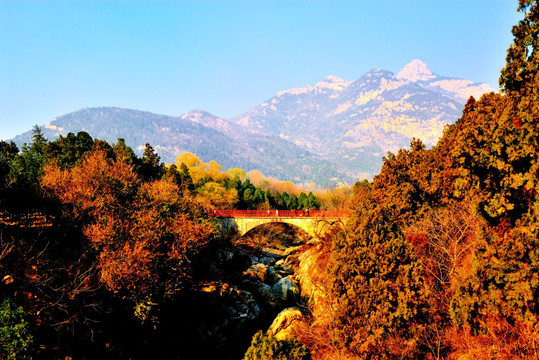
(415, 70)
(333, 82)
(376, 73)
(196, 114)
(205, 119)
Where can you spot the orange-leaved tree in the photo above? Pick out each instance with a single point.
(143, 233)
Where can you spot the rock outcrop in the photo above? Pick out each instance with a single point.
(285, 290)
(283, 326)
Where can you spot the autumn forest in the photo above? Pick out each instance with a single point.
(105, 254)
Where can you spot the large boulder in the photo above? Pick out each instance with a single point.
(285, 289)
(265, 292)
(246, 307)
(284, 324)
(257, 272)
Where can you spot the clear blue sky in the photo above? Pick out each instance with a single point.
(225, 57)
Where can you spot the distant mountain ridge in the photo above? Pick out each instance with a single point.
(354, 123)
(199, 132)
(335, 131)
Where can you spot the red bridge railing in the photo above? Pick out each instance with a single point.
(278, 213)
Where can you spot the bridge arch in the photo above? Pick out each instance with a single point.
(315, 223)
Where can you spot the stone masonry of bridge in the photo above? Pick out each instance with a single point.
(314, 222)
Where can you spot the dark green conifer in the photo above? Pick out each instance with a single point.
(377, 286)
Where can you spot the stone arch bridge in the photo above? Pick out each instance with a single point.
(314, 222)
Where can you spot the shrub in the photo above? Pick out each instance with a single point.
(267, 347)
(15, 338)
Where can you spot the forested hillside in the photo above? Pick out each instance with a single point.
(201, 133)
(105, 254)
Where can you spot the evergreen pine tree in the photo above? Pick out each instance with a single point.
(496, 144)
(150, 165)
(377, 285)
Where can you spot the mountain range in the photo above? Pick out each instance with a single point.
(333, 132)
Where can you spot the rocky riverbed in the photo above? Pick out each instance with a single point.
(257, 287)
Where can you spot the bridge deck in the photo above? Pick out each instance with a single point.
(278, 213)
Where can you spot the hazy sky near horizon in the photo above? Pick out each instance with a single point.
(225, 57)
